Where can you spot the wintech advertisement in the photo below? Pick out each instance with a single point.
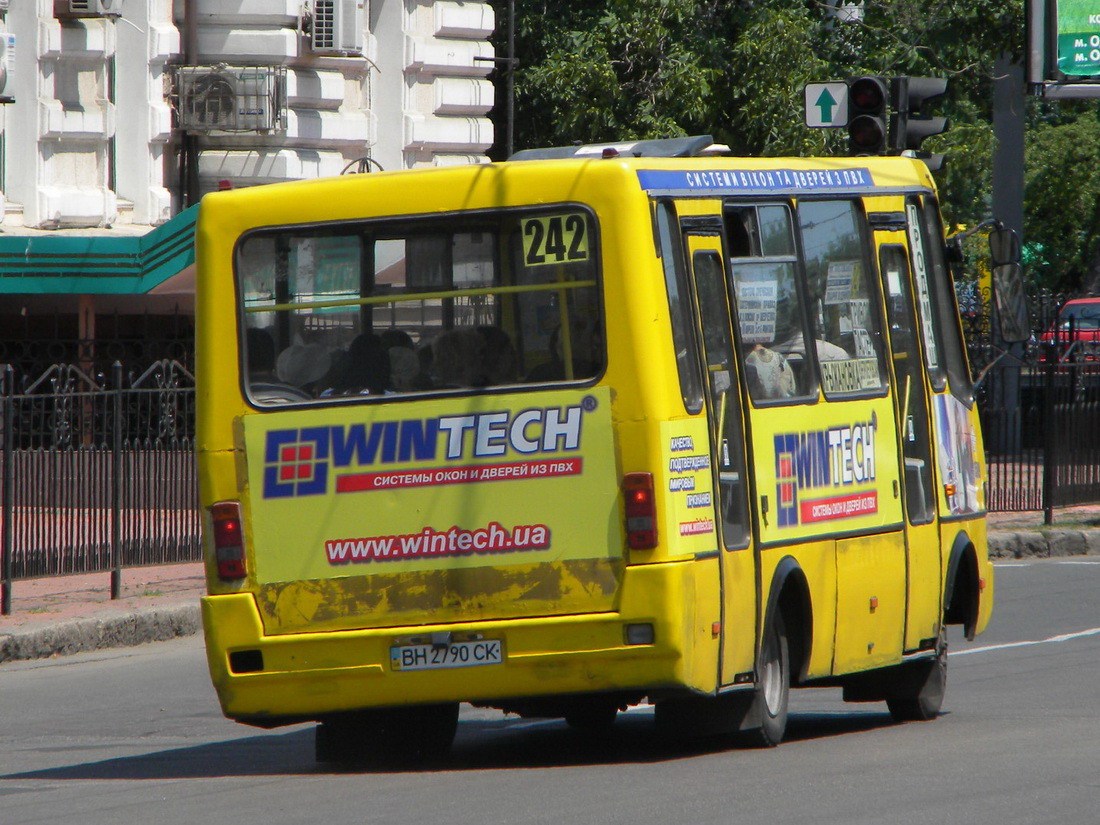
(457, 483)
(830, 470)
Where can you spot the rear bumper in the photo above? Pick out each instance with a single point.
(308, 675)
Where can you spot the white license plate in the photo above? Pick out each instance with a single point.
(456, 654)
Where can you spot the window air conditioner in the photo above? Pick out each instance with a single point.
(7, 64)
(231, 99)
(89, 8)
(337, 27)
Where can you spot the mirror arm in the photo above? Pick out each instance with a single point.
(959, 237)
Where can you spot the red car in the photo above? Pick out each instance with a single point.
(1076, 330)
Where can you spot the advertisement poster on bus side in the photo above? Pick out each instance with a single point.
(957, 454)
(456, 483)
(827, 469)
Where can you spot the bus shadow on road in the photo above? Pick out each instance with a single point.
(270, 754)
(482, 744)
(633, 739)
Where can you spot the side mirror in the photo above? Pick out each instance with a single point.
(1004, 246)
(1008, 291)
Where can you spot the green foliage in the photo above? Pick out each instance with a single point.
(603, 70)
(593, 70)
(613, 70)
(1062, 200)
(771, 61)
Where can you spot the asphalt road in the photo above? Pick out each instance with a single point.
(135, 736)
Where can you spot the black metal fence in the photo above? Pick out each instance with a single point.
(98, 471)
(1039, 403)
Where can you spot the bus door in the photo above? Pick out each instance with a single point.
(961, 494)
(727, 450)
(911, 401)
(825, 458)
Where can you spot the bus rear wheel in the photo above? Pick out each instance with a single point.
(917, 695)
(421, 733)
(592, 716)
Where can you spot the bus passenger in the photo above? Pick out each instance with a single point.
(826, 351)
(404, 364)
(260, 351)
(363, 370)
(500, 364)
(769, 374)
(303, 365)
(456, 358)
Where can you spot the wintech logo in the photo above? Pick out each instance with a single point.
(299, 462)
(825, 462)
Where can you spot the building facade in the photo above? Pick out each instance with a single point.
(116, 116)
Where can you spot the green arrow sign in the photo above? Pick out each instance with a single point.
(827, 105)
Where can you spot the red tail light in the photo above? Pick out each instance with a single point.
(228, 540)
(641, 511)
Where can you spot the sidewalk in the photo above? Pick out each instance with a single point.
(69, 614)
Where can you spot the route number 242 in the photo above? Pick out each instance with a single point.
(557, 239)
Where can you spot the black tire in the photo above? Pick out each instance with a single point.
(917, 694)
(773, 689)
(592, 717)
(339, 741)
(416, 734)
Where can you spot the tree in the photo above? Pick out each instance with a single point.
(617, 69)
(1062, 201)
(605, 70)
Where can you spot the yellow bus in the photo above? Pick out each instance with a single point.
(547, 436)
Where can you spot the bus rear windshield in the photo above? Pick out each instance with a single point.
(392, 307)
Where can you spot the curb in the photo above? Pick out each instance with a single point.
(1043, 544)
(95, 633)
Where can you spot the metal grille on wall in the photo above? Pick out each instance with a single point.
(98, 473)
(33, 345)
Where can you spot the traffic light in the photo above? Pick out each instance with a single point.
(910, 123)
(867, 101)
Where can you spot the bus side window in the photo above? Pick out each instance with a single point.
(769, 306)
(740, 223)
(939, 310)
(679, 307)
(844, 304)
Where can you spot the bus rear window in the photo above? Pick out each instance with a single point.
(395, 307)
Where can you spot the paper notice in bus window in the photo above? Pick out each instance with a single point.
(861, 313)
(865, 347)
(853, 375)
(756, 302)
(838, 285)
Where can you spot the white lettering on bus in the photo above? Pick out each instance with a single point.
(493, 433)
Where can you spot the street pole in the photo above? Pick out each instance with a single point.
(510, 64)
(510, 87)
(116, 483)
(1008, 208)
(9, 521)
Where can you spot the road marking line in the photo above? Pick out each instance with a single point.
(1065, 637)
(1049, 561)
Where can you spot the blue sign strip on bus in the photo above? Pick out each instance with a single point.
(755, 180)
